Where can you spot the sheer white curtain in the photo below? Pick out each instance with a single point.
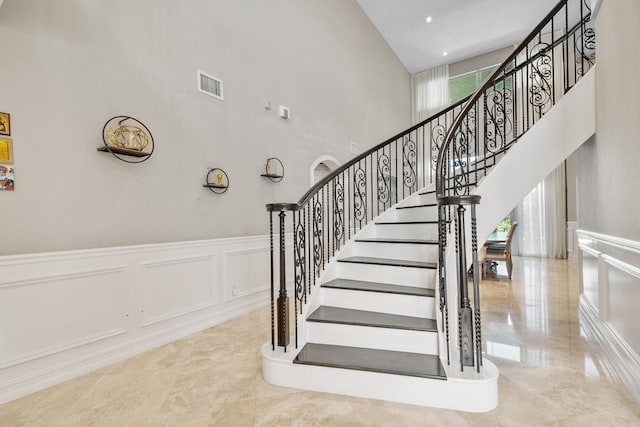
(429, 92)
(541, 218)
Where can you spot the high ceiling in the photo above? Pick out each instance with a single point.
(462, 28)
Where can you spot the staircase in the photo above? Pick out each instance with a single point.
(371, 329)
(379, 250)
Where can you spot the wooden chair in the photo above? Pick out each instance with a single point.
(498, 252)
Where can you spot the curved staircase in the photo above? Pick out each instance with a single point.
(379, 305)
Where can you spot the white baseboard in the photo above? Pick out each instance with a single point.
(65, 314)
(610, 280)
(624, 361)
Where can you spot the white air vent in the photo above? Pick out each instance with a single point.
(210, 85)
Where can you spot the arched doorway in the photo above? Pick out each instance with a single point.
(321, 167)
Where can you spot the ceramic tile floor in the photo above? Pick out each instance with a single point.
(550, 375)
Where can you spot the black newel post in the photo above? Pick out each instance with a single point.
(465, 314)
(283, 300)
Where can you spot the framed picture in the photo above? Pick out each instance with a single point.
(5, 124)
(7, 177)
(6, 150)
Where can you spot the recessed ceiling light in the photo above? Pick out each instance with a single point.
(428, 19)
(444, 54)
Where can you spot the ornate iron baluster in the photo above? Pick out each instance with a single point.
(409, 164)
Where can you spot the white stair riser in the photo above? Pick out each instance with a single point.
(371, 337)
(427, 198)
(408, 276)
(404, 251)
(462, 394)
(426, 213)
(407, 231)
(405, 305)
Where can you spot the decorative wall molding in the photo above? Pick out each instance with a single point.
(610, 278)
(123, 301)
(624, 361)
(183, 289)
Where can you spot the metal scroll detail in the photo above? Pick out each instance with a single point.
(360, 193)
(384, 177)
(299, 259)
(540, 90)
(463, 149)
(338, 212)
(317, 234)
(409, 155)
(438, 133)
(585, 51)
(498, 118)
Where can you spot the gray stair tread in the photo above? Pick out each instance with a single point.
(358, 285)
(425, 205)
(422, 193)
(365, 359)
(347, 316)
(393, 240)
(389, 262)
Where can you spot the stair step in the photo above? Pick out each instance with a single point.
(359, 285)
(422, 193)
(405, 222)
(364, 359)
(425, 205)
(346, 316)
(389, 262)
(392, 240)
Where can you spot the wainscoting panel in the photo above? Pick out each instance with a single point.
(42, 316)
(610, 283)
(63, 314)
(241, 280)
(176, 287)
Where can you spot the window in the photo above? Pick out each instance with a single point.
(464, 85)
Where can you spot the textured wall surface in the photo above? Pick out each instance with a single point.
(70, 65)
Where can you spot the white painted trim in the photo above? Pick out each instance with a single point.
(619, 242)
(595, 320)
(620, 265)
(624, 361)
(61, 360)
(590, 251)
(69, 275)
(331, 162)
(460, 391)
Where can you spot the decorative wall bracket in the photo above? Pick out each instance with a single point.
(274, 169)
(216, 180)
(127, 139)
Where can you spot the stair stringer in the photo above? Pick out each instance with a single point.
(560, 132)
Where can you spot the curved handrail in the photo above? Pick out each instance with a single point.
(496, 75)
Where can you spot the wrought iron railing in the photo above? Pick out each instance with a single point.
(340, 205)
(555, 55)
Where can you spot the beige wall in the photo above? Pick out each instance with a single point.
(608, 163)
(69, 65)
(479, 62)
